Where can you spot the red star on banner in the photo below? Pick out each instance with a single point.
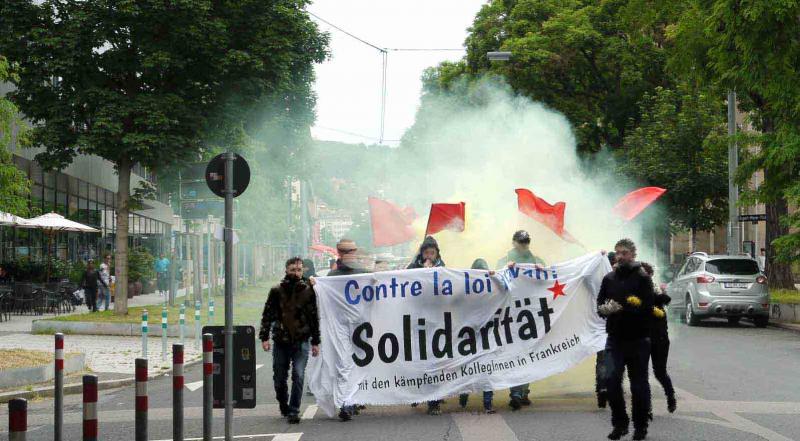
(557, 289)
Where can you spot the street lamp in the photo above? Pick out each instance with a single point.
(498, 56)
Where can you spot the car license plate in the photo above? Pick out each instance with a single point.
(736, 285)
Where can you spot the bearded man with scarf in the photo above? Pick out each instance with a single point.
(290, 316)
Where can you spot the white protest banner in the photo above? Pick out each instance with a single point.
(417, 335)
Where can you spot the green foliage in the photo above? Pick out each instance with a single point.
(679, 144)
(25, 269)
(14, 185)
(141, 264)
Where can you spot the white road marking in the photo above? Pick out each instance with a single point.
(194, 386)
(274, 436)
(310, 412)
(482, 427)
(259, 366)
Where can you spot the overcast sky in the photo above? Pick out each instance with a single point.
(349, 84)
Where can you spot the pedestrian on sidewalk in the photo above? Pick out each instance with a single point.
(488, 395)
(290, 317)
(347, 264)
(429, 256)
(89, 282)
(162, 274)
(105, 277)
(520, 253)
(626, 299)
(659, 343)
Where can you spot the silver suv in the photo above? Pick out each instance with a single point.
(720, 286)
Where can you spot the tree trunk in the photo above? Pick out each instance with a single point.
(121, 239)
(693, 240)
(779, 274)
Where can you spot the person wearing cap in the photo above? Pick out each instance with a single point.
(520, 253)
(347, 264)
(429, 256)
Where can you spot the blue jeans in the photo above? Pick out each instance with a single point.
(635, 356)
(282, 355)
(521, 391)
(103, 294)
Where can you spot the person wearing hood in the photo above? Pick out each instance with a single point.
(291, 318)
(659, 343)
(429, 256)
(520, 253)
(626, 299)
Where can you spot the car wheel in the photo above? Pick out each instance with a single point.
(733, 320)
(691, 318)
(761, 321)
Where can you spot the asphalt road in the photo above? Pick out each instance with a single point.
(734, 383)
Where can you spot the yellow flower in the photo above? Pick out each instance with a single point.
(633, 301)
(658, 312)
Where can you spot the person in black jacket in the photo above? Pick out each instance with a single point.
(659, 343)
(290, 316)
(626, 299)
(89, 282)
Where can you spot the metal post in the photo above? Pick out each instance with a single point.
(182, 324)
(17, 419)
(208, 391)
(164, 333)
(58, 391)
(141, 399)
(144, 333)
(197, 324)
(229, 287)
(90, 408)
(209, 259)
(211, 311)
(177, 392)
(733, 189)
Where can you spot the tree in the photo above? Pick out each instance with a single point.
(752, 47)
(153, 82)
(14, 185)
(679, 144)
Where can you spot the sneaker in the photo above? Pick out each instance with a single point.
(618, 433)
(284, 409)
(344, 415)
(490, 411)
(525, 401)
(515, 403)
(294, 419)
(602, 400)
(640, 434)
(672, 404)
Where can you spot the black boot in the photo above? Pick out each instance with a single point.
(640, 433)
(618, 433)
(284, 409)
(515, 403)
(671, 403)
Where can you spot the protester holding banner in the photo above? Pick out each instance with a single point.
(520, 253)
(290, 316)
(659, 343)
(600, 363)
(429, 256)
(349, 263)
(488, 395)
(626, 299)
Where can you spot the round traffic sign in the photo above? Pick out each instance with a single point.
(215, 175)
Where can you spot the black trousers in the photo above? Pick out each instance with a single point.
(91, 299)
(600, 373)
(635, 356)
(659, 352)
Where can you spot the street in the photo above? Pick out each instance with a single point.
(734, 383)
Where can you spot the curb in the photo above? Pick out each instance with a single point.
(786, 326)
(76, 388)
(100, 328)
(39, 374)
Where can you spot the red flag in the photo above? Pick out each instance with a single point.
(324, 249)
(391, 225)
(446, 217)
(552, 216)
(636, 201)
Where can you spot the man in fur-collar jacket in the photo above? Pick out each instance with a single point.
(290, 316)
